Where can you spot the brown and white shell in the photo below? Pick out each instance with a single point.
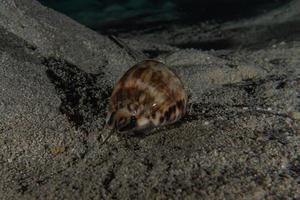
(148, 95)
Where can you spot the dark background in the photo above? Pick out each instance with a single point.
(136, 14)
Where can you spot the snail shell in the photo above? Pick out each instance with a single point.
(148, 95)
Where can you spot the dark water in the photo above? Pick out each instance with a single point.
(103, 14)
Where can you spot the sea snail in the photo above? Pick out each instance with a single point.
(147, 96)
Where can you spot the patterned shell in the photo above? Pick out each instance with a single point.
(148, 95)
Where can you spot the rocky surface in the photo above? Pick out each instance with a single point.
(240, 139)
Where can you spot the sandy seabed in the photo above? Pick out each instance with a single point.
(240, 139)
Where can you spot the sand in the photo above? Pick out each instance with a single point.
(240, 139)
